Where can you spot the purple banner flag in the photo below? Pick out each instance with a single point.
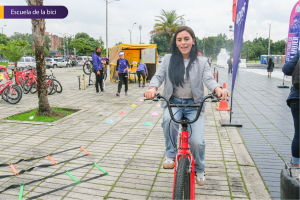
(239, 27)
(293, 36)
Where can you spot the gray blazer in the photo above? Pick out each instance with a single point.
(199, 72)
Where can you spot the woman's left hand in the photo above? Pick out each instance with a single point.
(224, 93)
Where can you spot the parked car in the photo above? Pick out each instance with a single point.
(82, 59)
(24, 62)
(3, 68)
(51, 63)
(61, 62)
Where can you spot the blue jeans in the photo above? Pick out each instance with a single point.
(196, 132)
(294, 104)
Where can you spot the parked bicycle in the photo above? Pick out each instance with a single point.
(57, 86)
(184, 170)
(9, 92)
(88, 69)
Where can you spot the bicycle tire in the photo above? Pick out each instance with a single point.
(54, 89)
(16, 96)
(4, 93)
(88, 67)
(33, 88)
(182, 187)
(27, 86)
(58, 86)
(50, 85)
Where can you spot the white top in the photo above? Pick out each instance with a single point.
(184, 92)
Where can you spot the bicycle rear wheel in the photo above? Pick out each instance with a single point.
(182, 186)
(14, 95)
(88, 67)
(50, 85)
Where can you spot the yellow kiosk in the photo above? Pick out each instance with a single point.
(134, 53)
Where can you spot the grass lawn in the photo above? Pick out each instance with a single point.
(4, 64)
(26, 116)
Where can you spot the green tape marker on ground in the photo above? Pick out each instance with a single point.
(100, 168)
(21, 191)
(72, 177)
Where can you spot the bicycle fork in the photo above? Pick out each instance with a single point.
(184, 152)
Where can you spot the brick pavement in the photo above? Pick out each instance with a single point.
(130, 152)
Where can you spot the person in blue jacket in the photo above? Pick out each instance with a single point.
(122, 70)
(142, 71)
(293, 103)
(97, 64)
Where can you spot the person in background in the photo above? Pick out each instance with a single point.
(293, 103)
(270, 67)
(199, 53)
(142, 71)
(98, 70)
(209, 60)
(229, 62)
(122, 70)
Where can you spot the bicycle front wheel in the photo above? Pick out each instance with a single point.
(58, 86)
(33, 88)
(88, 67)
(14, 95)
(182, 188)
(50, 85)
(27, 86)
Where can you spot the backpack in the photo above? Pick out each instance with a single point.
(296, 76)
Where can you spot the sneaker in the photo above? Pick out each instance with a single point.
(143, 86)
(118, 94)
(100, 93)
(126, 93)
(169, 163)
(200, 178)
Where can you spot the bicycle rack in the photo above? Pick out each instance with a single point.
(79, 81)
(83, 81)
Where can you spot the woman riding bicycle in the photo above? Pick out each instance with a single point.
(184, 74)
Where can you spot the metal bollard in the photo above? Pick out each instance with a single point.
(83, 82)
(79, 82)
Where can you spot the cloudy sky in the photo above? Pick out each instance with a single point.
(206, 17)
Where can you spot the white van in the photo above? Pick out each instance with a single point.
(24, 62)
(82, 59)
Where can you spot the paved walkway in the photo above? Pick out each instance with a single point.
(267, 121)
(130, 152)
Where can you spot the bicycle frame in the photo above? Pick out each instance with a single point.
(184, 139)
(7, 84)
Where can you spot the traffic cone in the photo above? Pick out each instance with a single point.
(122, 112)
(223, 106)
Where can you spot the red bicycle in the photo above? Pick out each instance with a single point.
(10, 93)
(184, 173)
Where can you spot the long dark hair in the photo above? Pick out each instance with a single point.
(176, 66)
(270, 62)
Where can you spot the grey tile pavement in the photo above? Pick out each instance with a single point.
(130, 152)
(267, 122)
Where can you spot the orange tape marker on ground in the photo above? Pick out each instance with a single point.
(51, 159)
(14, 169)
(84, 150)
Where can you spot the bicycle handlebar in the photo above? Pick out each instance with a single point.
(212, 96)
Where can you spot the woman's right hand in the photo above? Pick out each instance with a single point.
(150, 94)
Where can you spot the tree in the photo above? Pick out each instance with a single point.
(229, 46)
(259, 50)
(200, 44)
(15, 50)
(167, 24)
(4, 39)
(38, 31)
(210, 44)
(91, 42)
(79, 44)
(161, 42)
(248, 50)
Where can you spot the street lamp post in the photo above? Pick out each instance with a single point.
(269, 37)
(2, 28)
(204, 45)
(131, 32)
(140, 27)
(107, 24)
